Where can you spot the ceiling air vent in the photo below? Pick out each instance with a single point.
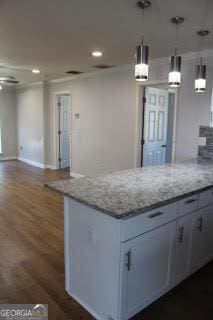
(103, 66)
(74, 72)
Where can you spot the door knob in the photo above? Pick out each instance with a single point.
(164, 146)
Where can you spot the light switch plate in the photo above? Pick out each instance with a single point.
(202, 141)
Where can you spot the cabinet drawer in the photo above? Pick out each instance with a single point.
(188, 205)
(205, 198)
(140, 224)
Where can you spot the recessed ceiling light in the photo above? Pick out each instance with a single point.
(1, 88)
(97, 54)
(35, 71)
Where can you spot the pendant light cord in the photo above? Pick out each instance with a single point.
(176, 39)
(201, 51)
(142, 37)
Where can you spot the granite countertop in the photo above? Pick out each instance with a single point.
(127, 193)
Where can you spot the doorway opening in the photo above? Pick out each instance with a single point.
(158, 125)
(62, 130)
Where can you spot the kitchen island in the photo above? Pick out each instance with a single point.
(132, 235)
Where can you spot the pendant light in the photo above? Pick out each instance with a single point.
(142, 51)
(200, 78)
(175, 60)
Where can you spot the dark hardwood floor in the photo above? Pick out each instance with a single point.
(31, 253)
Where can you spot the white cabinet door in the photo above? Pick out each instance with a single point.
(183, 243)
(203, 237)
(146, 268)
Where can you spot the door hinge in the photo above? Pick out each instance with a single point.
(59, 132)
(128, 260)
(59, 104)
(142, 142)
(143, 100)
(59, 159)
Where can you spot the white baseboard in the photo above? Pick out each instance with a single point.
(85, 306)
(49, 166)
(8, 158)
(33, 163)
(76, 175)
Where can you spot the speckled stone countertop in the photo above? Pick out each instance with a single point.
(127, 193)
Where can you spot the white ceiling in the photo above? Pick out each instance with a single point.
(59, 35)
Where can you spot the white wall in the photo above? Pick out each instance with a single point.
(193, 111)
(8, 122)
(30, 103)
(103, 137)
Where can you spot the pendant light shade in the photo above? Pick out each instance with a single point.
(175, 71)
(200, 79)
(141, 66)
(200, 73)
(142, 51)
(175, 60)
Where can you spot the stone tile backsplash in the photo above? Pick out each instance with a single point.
(207, 150)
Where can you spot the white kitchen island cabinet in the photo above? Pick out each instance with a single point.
(132, 235)
(116, 267)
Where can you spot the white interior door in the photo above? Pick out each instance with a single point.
(155, 127)
(64, 130)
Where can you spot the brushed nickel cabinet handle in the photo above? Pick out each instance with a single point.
(190, 201)
(156, 214)
(180, 234)
(200, 224)
(128, 260)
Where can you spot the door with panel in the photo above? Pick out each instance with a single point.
(155, 126)
(183, 246)
(64, 122)
(146, 271)
(203, 237)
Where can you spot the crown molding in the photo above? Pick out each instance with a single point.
(29, 85)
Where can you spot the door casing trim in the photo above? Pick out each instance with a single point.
(55, 122)
(139, 119)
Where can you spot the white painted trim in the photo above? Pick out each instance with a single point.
(29, 85)
(189, 56)
(54, 133)
(76, 175)
(32, 163)
(175, 124)
(93, 73)
(85, 306)
(49, 166)
(8, 158)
